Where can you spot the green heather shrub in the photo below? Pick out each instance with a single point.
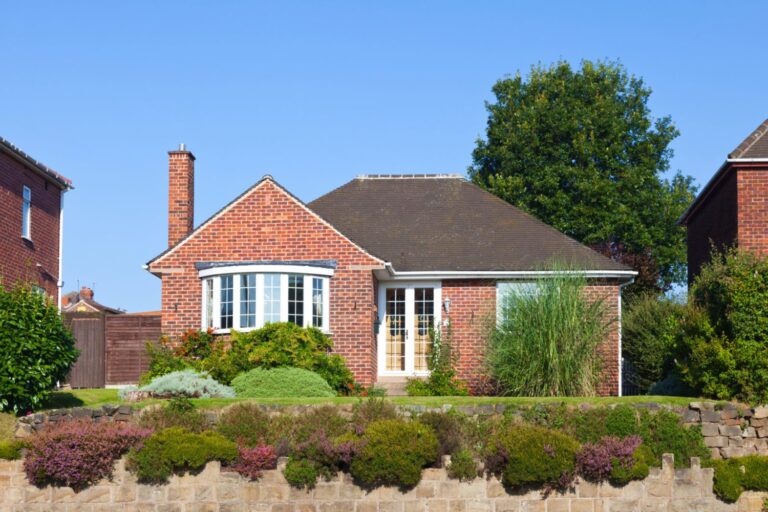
(734, 476)
(642, 461)
(300, 473)
(546, 338)
(525, 455)
(178, 412)
(449, 427)
(372, 409)
(246, 424)
(176, 450)
(281, 382)
(188, 383)
(394, 453)
(462, 466)
(722, 346)
(664, 432)
(648, 327)
(442, 380)
(37, 349)
(10, 449)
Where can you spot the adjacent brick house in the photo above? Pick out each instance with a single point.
(31, 221)
(375, 263)
(732, 209)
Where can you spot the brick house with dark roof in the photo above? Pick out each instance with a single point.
(374, 263)
(31, 221)
(732, 208)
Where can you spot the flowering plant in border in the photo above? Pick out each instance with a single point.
(597, 461)
(252, 461)
(79, 453)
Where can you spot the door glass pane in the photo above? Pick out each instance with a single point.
(395, 329)
(247, 301)
(424, 322)
(271, 298)
(296, 299)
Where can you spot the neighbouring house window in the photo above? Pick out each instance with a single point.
(26, 214)
(39, 290)
(208, 301)
(247, 299)
(296, 299)
(226, 302)
(317, 302)
(271, 298)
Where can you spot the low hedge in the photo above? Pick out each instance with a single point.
(734, 476)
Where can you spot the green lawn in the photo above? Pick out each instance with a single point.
(98, 397)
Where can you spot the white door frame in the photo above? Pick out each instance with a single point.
(410, 345)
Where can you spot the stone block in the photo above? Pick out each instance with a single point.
(391, 506)
(736, 442)
(710, 429)
(758, 422)
(710, 417)
(326, 490)
(96, 494)
(686, 489)
(587, 490)
(760, 412)
(64, 495)
(310, 507)
(233, 506)
(274, 492)
(762, 431)
(439, 506)
(457, 506)
(205, 493)
(473, 490)
(658, 488)
(730, 452)
(175, 507)
(716, 441)
(582, 506)
(623, 505)
(181, 493)
(124, 494)
(609, 491)
(337, 506)
(634, 490)
(653, 504)
(138, 507)
(433, 474)
(691, 416)
(283, 507)
(533, 506)
(227, 492)
(558, 505)
(352, 492)
(730, 431)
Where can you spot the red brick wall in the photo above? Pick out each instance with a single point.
(753, 207)
(473, 311)
(714, 222)
(181, 195)
(268, 224)
(19, 257)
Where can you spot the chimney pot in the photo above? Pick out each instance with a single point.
(86, 293)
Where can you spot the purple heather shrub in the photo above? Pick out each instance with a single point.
(251, 462)
(596, 460)
(79, 453)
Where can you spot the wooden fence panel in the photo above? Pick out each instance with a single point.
(88, 371)
(126, 339)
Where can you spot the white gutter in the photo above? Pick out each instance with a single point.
(746, 160)
(60, 281)
(505, 274)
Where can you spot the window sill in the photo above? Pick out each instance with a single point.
(229, 331)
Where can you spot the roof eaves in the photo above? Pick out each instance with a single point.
(745, 145)
(42, 169)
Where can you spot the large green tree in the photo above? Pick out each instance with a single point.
(579, 149)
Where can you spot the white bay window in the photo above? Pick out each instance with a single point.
(245, 297)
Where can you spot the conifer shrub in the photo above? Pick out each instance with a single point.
(187, 383)
(394, 453)
(176, 450)
(281, 382)
(178, 412)
(462, 466)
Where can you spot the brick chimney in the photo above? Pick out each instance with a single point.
(181, 194)
(86, 293)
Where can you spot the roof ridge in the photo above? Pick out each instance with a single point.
(750, 141)
(41, 167)
(410, 176)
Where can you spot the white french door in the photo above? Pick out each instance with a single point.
(407, 315)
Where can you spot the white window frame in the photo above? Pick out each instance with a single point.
(503, 288)
(26, 213)
(307, 271)
(410, 353)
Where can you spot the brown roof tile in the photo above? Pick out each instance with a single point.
(754, 146)
(444, 223)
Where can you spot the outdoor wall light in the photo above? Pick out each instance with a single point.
(447, 305)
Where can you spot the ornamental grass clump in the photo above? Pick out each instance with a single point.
(546, 337)
(394, 453)
(79, 453)
(176, 450)
(281, 382)
(188, 383)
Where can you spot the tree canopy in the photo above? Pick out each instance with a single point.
(579, 149)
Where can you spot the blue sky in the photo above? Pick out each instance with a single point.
(316, 93)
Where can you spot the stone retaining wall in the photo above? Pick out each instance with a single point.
(730, 430)
(214, 490)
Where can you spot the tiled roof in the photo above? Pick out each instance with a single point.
(754, 146)
(445, 223)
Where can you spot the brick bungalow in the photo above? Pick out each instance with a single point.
(31, 221)
(732, 209)
(373, 263)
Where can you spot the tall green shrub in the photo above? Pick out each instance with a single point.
(546, 339)
(37, 349)
(648, 327)
(722, 344)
